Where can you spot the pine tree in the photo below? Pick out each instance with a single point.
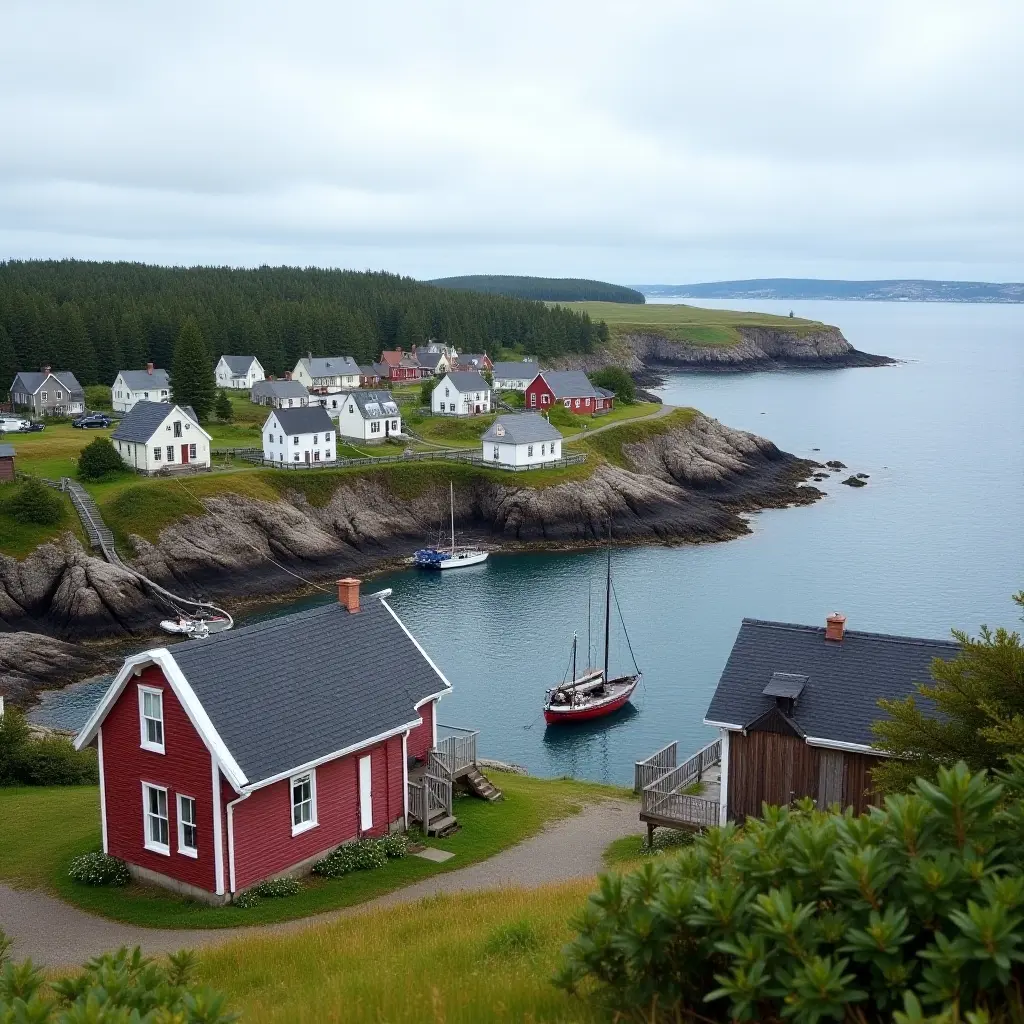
(108, 351)
(74, 349)
(8, 362)
(223, 408)
(132, 341)
(192, 381)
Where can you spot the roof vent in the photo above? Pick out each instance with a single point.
(785, 687)
(835, 627)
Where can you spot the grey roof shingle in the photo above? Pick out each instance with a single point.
(330, 366)
(472, 359)
(569, 384)
(309, 419)
(468, 380)
(515, 371)
(33, 381)
(239, 365)
(430, 359)
(845, 679)
(6, 451)
(371, 404)
(522, 428)
(279, 389)
(144, 418)
(143, 380)
(285, 692)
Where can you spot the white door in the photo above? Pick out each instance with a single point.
(365, 795)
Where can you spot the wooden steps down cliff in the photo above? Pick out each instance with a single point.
(481, 786)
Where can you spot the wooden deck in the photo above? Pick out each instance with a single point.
(430, 784)
(687, 796)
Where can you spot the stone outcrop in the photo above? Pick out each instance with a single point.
(30, 661)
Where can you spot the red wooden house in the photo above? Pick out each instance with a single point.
(402, 366)
(570, 388)
(253, 753)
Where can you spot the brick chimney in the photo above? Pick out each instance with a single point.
(46, 371)
(287, 374)
(348, 593)
(149, 368)
(835, 626)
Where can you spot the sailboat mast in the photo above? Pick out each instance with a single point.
(589, 648)
(451, 493)
(574, 657)
(608, 603)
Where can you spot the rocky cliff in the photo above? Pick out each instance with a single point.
(689, 483)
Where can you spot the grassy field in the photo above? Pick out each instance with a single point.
(607, 446)
(58, 823)
(690, 324)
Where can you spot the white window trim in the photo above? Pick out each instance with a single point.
(156, 748)
(366, 793)
(187, 851)
(149, 843)
(312, 823)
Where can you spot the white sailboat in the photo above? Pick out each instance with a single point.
(438, 558)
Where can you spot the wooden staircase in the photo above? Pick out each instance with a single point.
(481, 786)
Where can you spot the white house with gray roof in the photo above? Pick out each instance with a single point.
(132, 386)
(47, 393)
(327, 374)
(521, 439)
(368, 415)
(157, 436)
(514, 376)
(461, 393)
(239, 372)
(299, 436)
(281, 394)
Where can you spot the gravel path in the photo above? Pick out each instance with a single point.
(55, 934)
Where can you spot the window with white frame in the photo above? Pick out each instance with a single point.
(157, 826)
(188, 835)
(157, 453)
(529, 451)
(170, 453)
(177, 428)
(151, 715)
(58, 395)
(303, 802)
(295, 440)
(191, 451)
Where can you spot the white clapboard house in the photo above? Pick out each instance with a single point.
(327, 374)
(461, 393)
(131, 386)
(157, 436)
(512, 376)
(521, 439)
(368, 415)
(281, 394)
(239, 372)
(303, 436)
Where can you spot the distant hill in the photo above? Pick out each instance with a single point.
(810, 288)
(544, 289)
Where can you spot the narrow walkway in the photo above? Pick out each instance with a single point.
(55, 934)
(662, 410)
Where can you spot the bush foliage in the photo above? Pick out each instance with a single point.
(116, 988)
(99, 460)
(27, 760)
(273, 889)
(35, 503)
(363, 855)
(615, 378)
(809, 916)
(99, 868)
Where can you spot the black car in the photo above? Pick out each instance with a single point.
(34, 427)
(96, 419)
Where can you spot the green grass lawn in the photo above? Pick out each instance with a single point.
(56, 824)
(690, 324)
(607, 446)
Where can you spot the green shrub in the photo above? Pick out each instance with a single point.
(427, 389)
(116, 988)
(616, 379)
(223, 408)
(35, 503)
(247, 900)
(559, 416)
(514, 398)
(97, 396)
(26, 760)
(395, 845)
(99, 869)
(362, 855)
(99, 460)
(810, 916)
(278, 888)
(517, 938)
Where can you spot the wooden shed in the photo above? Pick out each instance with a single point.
(6, 463)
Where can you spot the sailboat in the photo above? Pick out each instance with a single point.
(439, 558)
(592, 694)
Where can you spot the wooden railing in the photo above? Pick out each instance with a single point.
(430, 798)
(663, 797)
(456, 752)
(645, 772)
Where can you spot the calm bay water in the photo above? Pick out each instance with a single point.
(935, 540)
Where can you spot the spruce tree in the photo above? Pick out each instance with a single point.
(192, 381)
(223, 408)
(132, 341)
(74, 348)
(8, 362)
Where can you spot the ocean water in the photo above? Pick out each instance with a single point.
(935, 541)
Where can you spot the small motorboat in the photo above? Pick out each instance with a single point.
(442, 558)
(196, 628)
(181, 626)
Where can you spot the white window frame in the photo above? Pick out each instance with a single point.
(303, 826)
(145, 742)
(183, 847)
(192, 451)
(150, 843)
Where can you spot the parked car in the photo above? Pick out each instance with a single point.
(9, 424)
(95, 419)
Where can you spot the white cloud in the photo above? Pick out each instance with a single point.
(657, 142)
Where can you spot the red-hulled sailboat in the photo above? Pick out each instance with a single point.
(592, 694)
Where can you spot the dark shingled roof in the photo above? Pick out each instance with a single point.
(285, 692)
(143, 380)
(522, 428)
(845, 679)
(143, 419)
(515, 371)
(569, 384)
(239, 365)
(310, 419)
(430, 359)
(279, 389)
(33, 381)
(330, 366)
(467, 380)
(6, 451)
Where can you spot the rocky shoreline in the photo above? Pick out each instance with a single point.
(64, 608)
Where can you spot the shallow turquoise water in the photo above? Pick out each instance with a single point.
(935, 540)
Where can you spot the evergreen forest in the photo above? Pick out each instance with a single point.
(545, 289)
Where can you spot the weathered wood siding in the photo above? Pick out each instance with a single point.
(774, 768)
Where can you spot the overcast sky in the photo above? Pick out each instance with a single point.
(635, 142)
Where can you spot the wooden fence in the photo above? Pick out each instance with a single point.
(662, 799)
(457, 752)
(645, 772)
(430, 799)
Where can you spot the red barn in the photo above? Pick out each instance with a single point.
(253, 753)
(402, 366)
(571, 388)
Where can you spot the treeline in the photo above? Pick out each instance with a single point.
(545, 289)
(97, 318)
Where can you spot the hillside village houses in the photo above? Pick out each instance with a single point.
(369, 416)
(47, 393)
(475, 361)
(436, 363)
(369, 375)
(157, 436)
(461, 393)
(304, 436)
(131, 386)
(572, 388)
(403, 366)
(239, 372)
(327, 374)
(511, 376)
(522, 439)
(280, 394)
